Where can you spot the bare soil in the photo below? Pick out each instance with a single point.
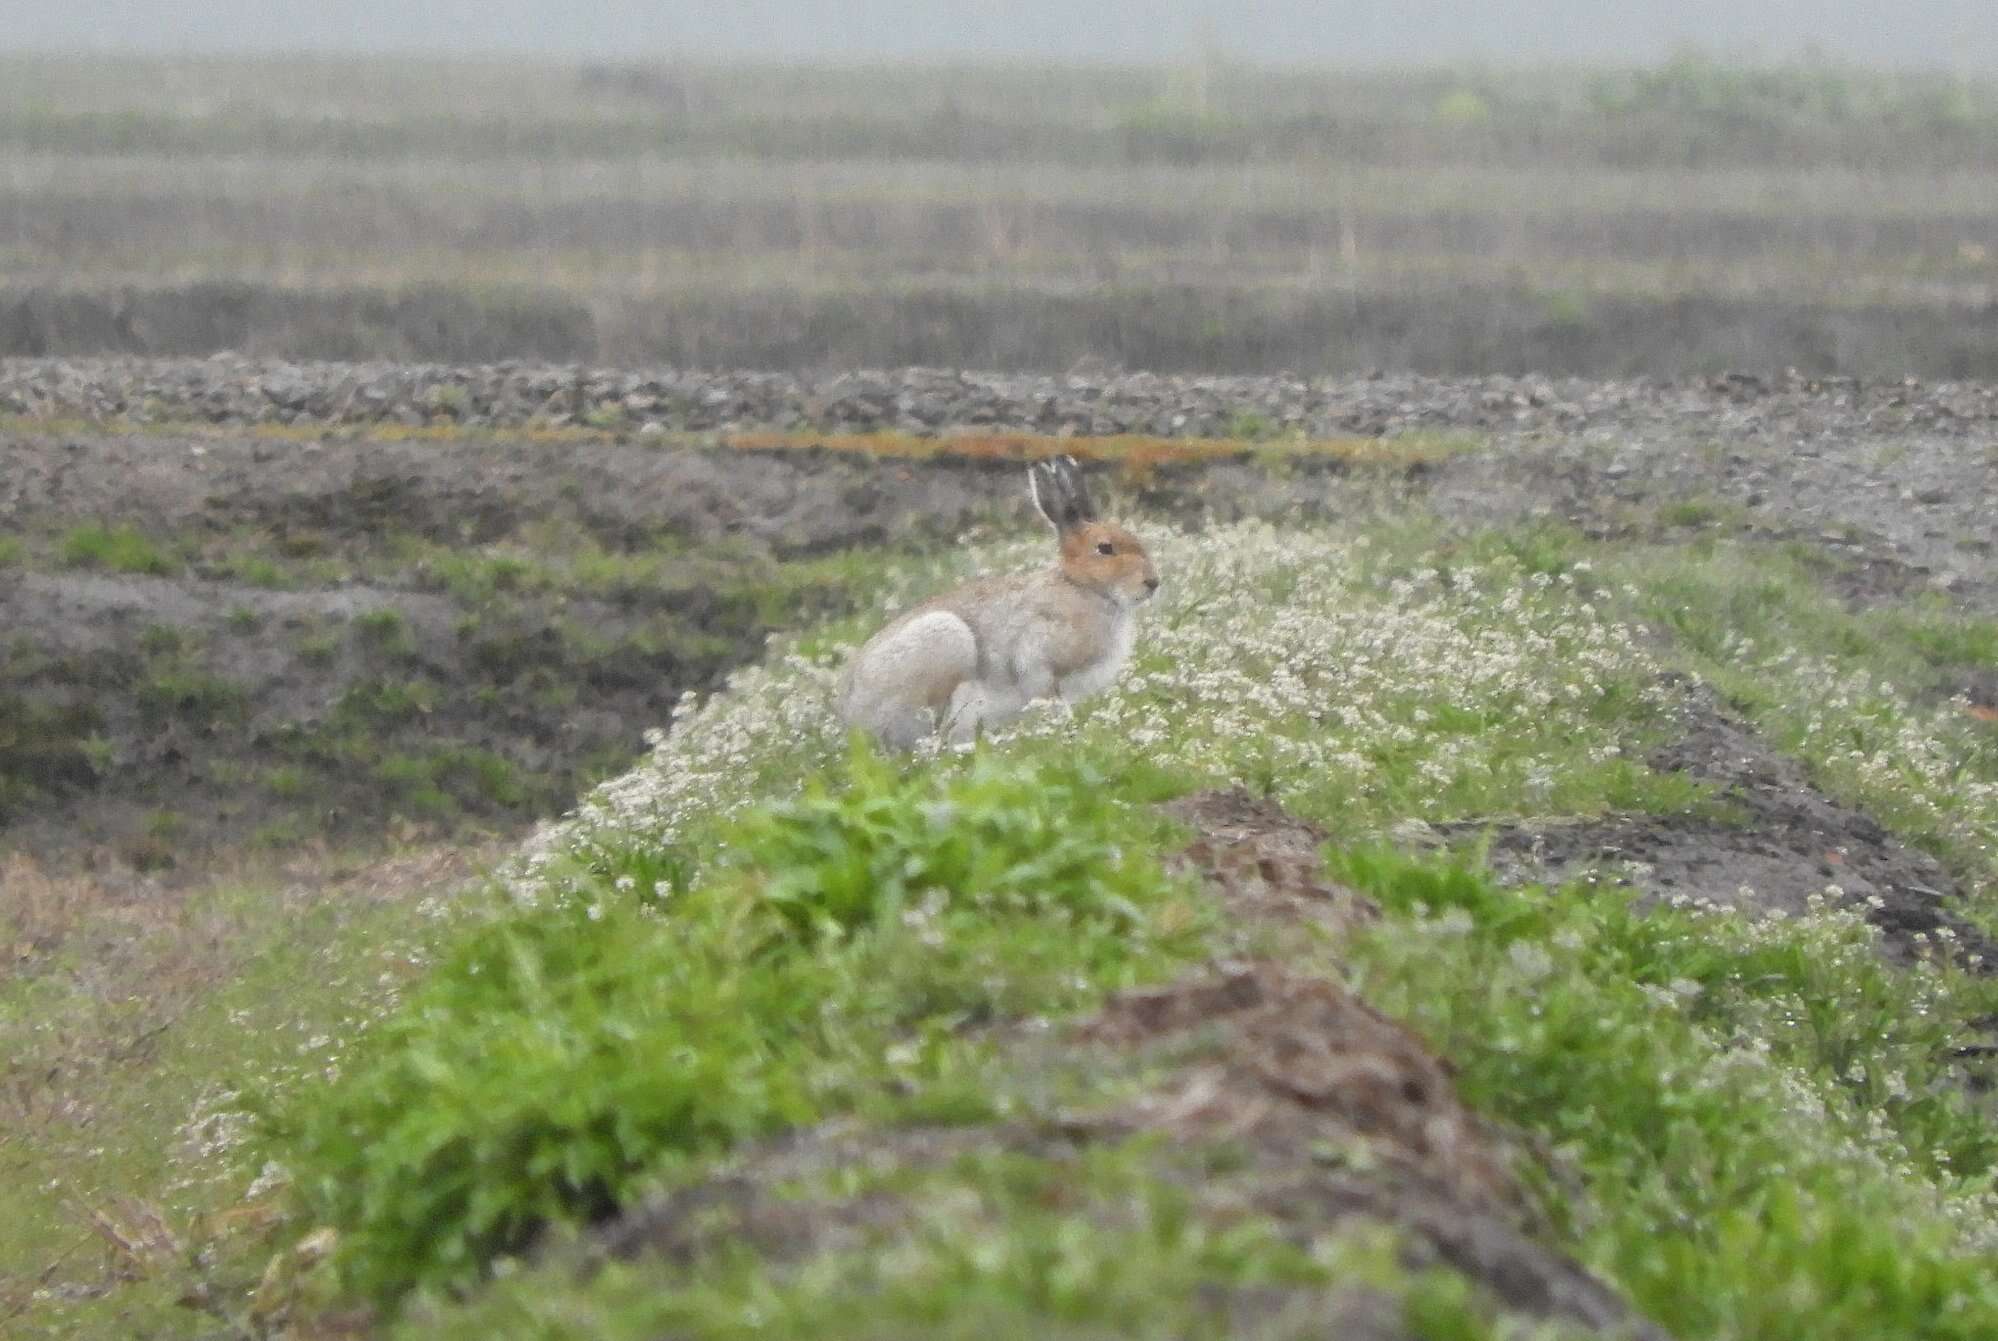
(1781, 842)
(158, 718)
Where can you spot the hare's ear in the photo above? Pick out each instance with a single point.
(1059, 492)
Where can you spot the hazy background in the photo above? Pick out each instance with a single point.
(1955, 33)
(1562, 186)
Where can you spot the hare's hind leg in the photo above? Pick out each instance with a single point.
(904, 681)
(976, 706)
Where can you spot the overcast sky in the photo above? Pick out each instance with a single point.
(1958, 33)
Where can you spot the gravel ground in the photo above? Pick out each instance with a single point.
(231, 389)
(1897, 472)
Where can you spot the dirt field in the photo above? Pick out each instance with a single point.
(1690, 217)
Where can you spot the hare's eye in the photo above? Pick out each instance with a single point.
(1106, 547)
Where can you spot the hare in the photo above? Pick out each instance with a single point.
(975, 657)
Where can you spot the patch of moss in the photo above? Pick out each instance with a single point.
(385, 632)
(119, 549)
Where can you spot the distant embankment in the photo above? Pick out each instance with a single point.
(1442, 330)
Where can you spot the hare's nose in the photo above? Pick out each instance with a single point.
(1151, 584)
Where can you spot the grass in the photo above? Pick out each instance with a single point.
(1871, 700)
(998, 1246)
(993, 114)
(1769, 1118)
(436, 701)
(384, 632)
(125, 1026)
(45, 746)
(1692, 512)
(1754, 1129)
(182, 690)
(1762, 1117)
(320, 647)
(776, 989)
(433, 780)
(118, 549)
(257, 570)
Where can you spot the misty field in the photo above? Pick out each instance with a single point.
(1535, 876)
(1691, 216)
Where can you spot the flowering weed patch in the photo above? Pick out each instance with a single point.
(1327, 670)
(1874, 702)
(1773, 1135)
(1759, 1127)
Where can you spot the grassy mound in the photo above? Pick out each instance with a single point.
(763, 940)
(1752, 1127)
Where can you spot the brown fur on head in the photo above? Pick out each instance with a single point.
(1098, 555)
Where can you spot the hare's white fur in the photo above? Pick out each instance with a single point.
(975, 657)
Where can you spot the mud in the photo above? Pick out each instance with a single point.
(1263, 862)
(1333, 1116)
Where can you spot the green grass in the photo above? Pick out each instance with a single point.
(129, 1110)
(44, 745)
(1760, 1126)
(385, 632)
(1755, 1130)
(380, 702)
(184, 691)
(119, 549)
(259, 570)
(567, 1053)
(1692, 513)
(1708, 180)
(1766, 1117)
(435, 780)
(1689, 108)
(286, 782)
(1665, 1056)
(735, 584)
